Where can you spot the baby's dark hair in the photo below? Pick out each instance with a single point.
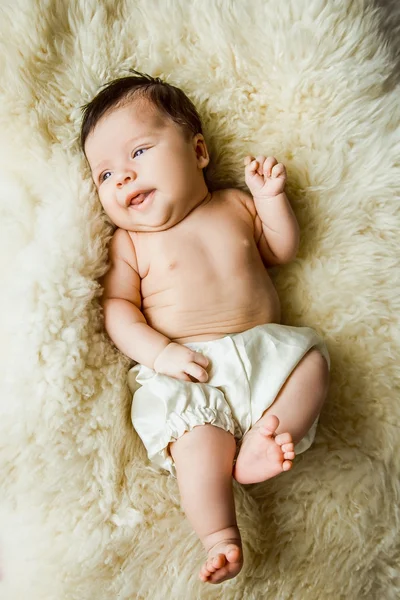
(169, 99)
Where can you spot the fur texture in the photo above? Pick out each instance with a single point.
(82, 514)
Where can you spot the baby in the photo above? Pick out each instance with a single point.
(220, 388)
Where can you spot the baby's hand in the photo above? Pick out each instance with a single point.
(264, 177)
(181, 362)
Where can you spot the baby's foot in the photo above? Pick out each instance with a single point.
(264, 454)
(224, 561)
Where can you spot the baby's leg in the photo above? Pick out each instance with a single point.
(204, 460)
(268, 448)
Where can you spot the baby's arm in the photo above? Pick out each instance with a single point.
(127, 326)
(266, 180)
(121, 302)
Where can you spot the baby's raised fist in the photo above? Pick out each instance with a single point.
(264, 177)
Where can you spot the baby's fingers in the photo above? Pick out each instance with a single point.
(278, 170)
(197, 372)
(260, 164)
(200, 359)
(251, 164)
(269, 165)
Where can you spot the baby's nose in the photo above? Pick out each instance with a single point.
(125, 177)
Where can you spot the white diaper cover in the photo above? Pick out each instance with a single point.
(246, 372)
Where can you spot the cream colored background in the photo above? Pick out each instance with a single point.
(82, 515)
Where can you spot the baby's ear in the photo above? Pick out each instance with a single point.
(201, 151)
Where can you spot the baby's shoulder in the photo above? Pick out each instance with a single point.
(239, 197)
(235, 194)
(229, 193)
(122, 247)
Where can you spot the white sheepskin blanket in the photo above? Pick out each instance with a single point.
(83, 516)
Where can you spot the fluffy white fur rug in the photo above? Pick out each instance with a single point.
(82, 514)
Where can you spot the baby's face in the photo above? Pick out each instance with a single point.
(147, 173)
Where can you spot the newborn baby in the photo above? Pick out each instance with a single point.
(220, 388)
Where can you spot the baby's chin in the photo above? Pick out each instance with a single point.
(159, 214)
(150, 224)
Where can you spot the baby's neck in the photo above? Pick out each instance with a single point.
(207, 198)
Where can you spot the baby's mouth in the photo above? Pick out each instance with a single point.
(138, 199)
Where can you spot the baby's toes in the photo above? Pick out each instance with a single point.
(289, 455)
(214, 563)
(283, 439)
(207, 569)
(288, 449)
(218, 561)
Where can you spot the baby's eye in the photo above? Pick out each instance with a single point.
(103, 176)
(139, 152)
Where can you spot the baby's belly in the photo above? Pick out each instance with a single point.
(205, 316)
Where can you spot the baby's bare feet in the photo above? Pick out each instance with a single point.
(263, 454)
(224, 561)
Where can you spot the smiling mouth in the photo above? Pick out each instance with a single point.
(139, 198)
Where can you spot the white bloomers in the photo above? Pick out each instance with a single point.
(246, 372)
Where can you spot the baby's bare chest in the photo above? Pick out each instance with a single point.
(199, 253)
